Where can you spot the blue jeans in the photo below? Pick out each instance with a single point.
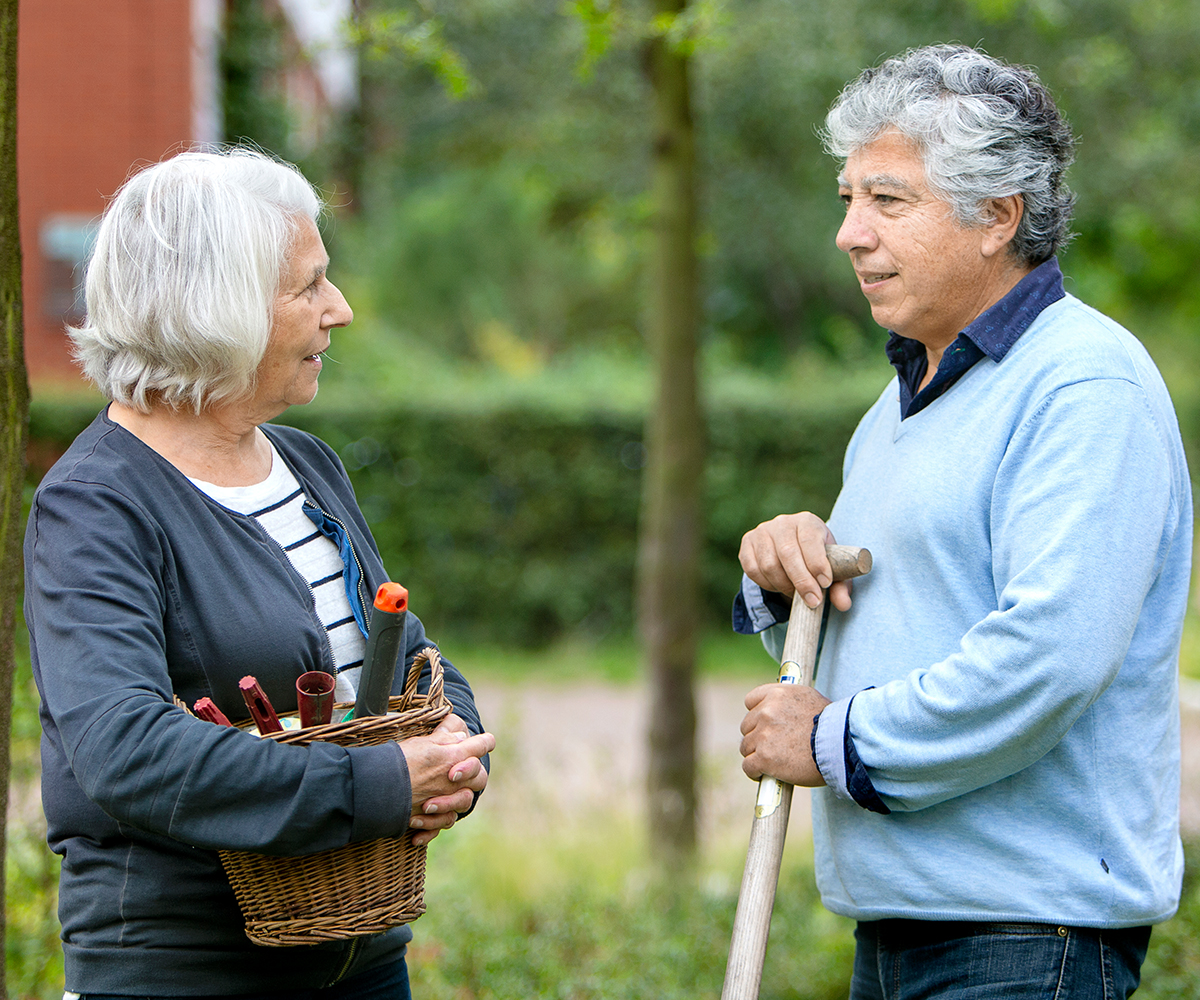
(388, 982)
(924, 960)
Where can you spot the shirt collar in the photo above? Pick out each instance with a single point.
(991, 334)
(997, 328)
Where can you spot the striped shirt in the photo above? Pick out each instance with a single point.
(276, 503)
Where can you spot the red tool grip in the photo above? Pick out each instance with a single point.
(260, 706)
(314, 698)
(392, 597)
(206, 709)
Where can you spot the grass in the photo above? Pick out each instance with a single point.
(583, 916)
(571, 908)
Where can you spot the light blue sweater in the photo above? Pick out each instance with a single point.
(1013, 655)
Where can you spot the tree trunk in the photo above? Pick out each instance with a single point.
(14, 407)
(671, 523)
(367, 134)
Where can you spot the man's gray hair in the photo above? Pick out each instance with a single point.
(985, 130)
(183, 277)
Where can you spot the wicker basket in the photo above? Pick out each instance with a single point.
(362, 888)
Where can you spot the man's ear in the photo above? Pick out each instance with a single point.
(1004, 215)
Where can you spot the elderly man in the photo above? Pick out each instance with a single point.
(996, 726)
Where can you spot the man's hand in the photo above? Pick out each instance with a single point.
(446, 771)
(787, 554)
(777, 731)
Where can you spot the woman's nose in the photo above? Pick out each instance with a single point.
(339, 312)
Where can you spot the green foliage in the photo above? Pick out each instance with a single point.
(33, 956)
(551, 150)
(413, 33)
(516, 524)
(545, 271)
(250, 63)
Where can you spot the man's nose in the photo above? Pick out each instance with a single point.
(856, 232)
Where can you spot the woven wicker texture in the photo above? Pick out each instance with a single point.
(361, 888)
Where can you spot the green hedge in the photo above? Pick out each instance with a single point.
(518, 526)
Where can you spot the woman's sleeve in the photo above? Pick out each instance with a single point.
(97, 594)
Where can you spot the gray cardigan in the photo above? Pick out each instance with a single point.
(138, 588)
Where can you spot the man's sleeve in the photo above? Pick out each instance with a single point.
(1085, 508)
(837, 759)
(755, 609)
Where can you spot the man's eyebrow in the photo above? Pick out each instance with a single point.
(318, 272)
(877, 180)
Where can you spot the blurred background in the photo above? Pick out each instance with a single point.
(487, 168)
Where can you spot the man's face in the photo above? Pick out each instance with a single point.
(925, 275)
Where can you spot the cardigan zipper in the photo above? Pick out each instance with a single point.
(346, 964)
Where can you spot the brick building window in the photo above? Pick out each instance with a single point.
(65, 241)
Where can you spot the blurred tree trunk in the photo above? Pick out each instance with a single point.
(671, 524)
(14, 408)
(366, 135)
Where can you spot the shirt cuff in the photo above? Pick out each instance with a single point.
(837, 758)
(755, 609)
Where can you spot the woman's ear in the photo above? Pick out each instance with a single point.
(1004, 215)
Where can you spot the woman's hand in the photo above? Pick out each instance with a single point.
(446, 771)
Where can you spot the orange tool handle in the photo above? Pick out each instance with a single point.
(392, 597)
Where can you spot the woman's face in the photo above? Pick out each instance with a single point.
(307, 308)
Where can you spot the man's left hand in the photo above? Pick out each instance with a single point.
(776, 733)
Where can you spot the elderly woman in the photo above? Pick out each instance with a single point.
(183, 542)
(997, 725)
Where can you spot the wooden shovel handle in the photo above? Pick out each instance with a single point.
(752, 922)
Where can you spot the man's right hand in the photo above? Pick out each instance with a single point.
(787, 554)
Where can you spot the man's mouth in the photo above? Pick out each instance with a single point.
(874, 277)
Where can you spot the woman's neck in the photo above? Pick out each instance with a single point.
(217, 446)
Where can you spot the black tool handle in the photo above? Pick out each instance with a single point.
(385, 640)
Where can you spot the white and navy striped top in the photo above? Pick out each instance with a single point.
(276, 503)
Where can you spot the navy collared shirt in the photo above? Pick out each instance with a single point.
(991, 335)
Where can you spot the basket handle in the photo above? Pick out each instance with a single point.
(437, 679)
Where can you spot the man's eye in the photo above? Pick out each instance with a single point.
(885, 199)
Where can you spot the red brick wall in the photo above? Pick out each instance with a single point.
(101, 86)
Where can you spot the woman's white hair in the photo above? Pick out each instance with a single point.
(985, 130)
(183, 277)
